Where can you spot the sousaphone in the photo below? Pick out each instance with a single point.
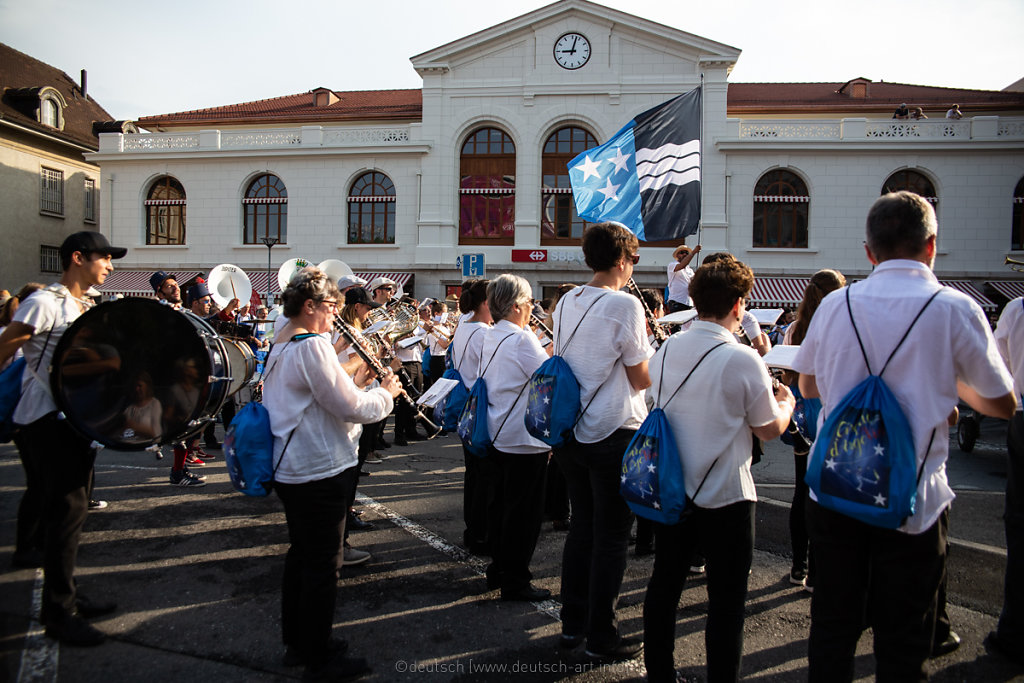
(227, 282)
(335, 269)
(288, 269)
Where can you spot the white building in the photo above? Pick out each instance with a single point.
(406, 181)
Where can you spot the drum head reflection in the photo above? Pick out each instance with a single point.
(134, 372)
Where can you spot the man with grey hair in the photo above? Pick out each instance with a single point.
(893, 576)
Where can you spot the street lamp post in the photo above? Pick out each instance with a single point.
(270, 242)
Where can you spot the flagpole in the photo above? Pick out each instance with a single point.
(700, 222)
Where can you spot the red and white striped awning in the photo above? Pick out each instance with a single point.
(165, 202)
(265, 200)
(136, 282)
(259, 279)
(781, 198)
(778, 291)
(1009, 289)
(972, 291)
(556, 190)
(487, 190)
(379, 198)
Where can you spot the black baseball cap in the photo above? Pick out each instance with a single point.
(89, 242)
(358, 295)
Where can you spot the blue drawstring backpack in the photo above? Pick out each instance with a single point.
(472, 426)
(652, 480)
(864, 464)
(553, 401)
(10, 394)
(804, 422)
(449, 410)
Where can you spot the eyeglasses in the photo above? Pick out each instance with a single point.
(636, 258)
(388, 287)
(331, 303)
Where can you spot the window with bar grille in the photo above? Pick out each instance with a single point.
(487, 187)
(265, 208)
(781, 207)
(165, 212)
(559, 222)
(51, 197)
(90, 200)
(49, 259)
(1017, 232)
(371, 210)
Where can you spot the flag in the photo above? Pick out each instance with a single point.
(646, 177)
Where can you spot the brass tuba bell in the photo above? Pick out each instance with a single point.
(1014, 264)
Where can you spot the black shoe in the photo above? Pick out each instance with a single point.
(643, 549)
(74, 630)
(401, 441)
(526, 594)
(626, 649)
(951, 643)
(90, 609)
(381, 443)
(570, 642)
(339, 668)
(296, 657)
(27, 559)
(993, 644)
(356, 524)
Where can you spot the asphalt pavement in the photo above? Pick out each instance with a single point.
(197, 575)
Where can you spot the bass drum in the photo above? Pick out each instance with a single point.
(134, 373)
(241, 363)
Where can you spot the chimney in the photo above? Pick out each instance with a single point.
(84, 82)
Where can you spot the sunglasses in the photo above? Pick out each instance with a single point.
(636, 258)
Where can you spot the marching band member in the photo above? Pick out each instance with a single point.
(315, 411)
(466, 354)
(608, 355)
(438, 339)
(517, 461)
(728, 398)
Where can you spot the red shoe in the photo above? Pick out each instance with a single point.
(194, 460)
(201, 453)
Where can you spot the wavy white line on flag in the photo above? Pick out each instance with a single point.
(673, 178)
(646, 154)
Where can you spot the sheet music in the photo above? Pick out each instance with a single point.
(781, 356)
(437, 391)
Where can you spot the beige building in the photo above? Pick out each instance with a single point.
(47, 188)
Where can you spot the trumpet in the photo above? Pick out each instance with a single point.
(353, 337)
(660, 335)
(1014, 264)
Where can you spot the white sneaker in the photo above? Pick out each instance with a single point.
(354, 556)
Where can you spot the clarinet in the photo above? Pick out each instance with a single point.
(543, 328)
(353, 337)
(657, 330)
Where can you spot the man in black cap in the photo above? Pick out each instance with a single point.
(166, 289)
(63, 457)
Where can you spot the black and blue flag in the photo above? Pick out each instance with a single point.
(646, 177)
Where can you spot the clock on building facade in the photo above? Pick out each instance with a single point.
(572, 50)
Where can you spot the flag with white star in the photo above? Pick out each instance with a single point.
(648, 176)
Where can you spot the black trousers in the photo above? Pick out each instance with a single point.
(315, 513)
(31, 534)
(882, 578)
(436, 368)
(556, 495)
(64, 461)
(726, 537)
(476, 496)
(1011, 622)
(798, 517)
(405, 416)
(594, 557)
(514, 516)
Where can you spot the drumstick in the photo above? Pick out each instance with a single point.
(233, 294)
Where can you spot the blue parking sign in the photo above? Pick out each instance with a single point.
(472, 265)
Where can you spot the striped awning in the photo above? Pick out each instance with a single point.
(556, 190)
(972, 291)
(259, 279)
(1011, 290)
(165, 202)
(372, 198)
(136, 282)
(778, 291)
(487, 190)
(265, 200)
(781, 198)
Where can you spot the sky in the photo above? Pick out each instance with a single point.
(145, 60)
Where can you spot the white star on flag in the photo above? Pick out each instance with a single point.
(620, 160)
(589, 168)
(879, 450)
(609, 191)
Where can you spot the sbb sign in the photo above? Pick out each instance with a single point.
(529, 255)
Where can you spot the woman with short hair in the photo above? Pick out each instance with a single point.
(727, 400)
(516, 461)
(315, 412)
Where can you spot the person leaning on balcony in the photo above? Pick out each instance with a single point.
(918, 114)
(954, 113)
(902, 112)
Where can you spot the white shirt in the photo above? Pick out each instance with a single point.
(951, 341)
(1010, 342)
(51, 308)
(434, 338)
(679, 283)
(514, 363)
(711, 416)
(611, 338)
(305, 387)
(466, 346)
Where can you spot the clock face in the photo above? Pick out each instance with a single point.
(572, 50)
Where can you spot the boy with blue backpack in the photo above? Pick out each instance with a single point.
(888, 358)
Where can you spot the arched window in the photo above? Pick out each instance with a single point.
(49, 112)
(781, 207)
(371, 210)
(165, 212)
(1017, 233)
(911, 181)
(266, 210)
(559, 222)
(487, 186)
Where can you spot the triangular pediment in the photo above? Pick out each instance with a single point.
(528, 38)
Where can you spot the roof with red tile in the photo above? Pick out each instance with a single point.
(21, 79)
(356, 105)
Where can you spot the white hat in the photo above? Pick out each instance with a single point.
(347, 281)
(378, 282)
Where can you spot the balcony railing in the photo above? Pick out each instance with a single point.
(262, 139)
(987, 128)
